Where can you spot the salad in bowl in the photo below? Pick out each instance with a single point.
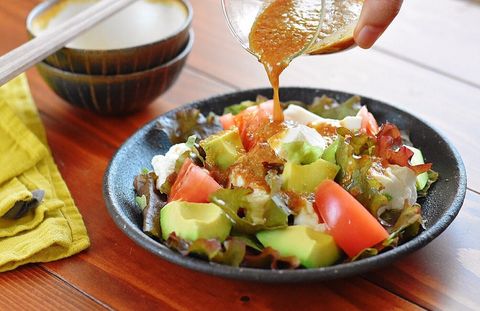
(325, 186)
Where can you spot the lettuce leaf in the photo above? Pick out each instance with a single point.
(236, 109)
(250, 212)
(152, 202)
(353, 158)
(269, 258)
(408, 223)
(328, 108)
(391, 150)
(366, 253)
(231, 252)
(249, 241)
(189, 122)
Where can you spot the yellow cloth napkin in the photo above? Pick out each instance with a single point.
(54, 229)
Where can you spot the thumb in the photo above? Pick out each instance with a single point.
(375, 17)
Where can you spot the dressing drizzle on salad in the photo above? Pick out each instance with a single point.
(325, 186)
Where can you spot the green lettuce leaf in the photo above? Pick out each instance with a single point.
(361, 143)
(249, 241)
(250, 212)
(353, 158)
(366, 253)
(233, 254)
(189, 122)
(408, 224)
(328, 108)
(141, 201)
(236, 109)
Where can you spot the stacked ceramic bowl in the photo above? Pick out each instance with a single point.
(122, 64)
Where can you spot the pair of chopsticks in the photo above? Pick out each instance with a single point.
(20, 59)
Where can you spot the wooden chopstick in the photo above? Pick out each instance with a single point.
(20, 59)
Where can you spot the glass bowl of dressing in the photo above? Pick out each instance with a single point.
(338, 21)
(277, 31)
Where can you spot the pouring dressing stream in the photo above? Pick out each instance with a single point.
(281, 32)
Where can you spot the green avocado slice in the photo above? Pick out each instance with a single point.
(313, 248)
(223, 149)
(305, 178)
(192, 221)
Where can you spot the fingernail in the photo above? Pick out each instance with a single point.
(367, 36)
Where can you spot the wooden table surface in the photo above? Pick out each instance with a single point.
(428, 63)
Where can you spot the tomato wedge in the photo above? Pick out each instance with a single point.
(227, 121)
(369, 124)
(267, 107)
(193, 184)
(251, 120)
(351, 225)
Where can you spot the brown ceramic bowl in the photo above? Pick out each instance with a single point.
(115, 61)
(115, 94)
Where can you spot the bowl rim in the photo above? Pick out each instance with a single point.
(43, 6)
(341, 270)
(91, 77)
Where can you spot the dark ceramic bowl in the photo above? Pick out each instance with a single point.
(117, 61)
(116, 94)
(439, 208)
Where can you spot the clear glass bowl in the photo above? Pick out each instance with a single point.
(336, 23)
(241, 14)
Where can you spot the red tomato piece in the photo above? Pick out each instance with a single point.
(193, 184)
(227, 121)
(267, 107)
(351, 225)
(249, 122)
(369, 124)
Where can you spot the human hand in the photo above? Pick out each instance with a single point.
(376, 16)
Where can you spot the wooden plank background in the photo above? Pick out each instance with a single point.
(427, 63)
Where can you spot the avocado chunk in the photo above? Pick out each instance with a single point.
(417, 159)
(313, 248)
(192, 221)
(223, 149)
(330, 151)
(305, 178)
(301, 152)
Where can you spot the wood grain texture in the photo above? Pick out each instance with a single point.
(121, 275)
(32, 288)
(441, 34)
(445, 274)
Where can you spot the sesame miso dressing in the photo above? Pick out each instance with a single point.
(281, 32)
